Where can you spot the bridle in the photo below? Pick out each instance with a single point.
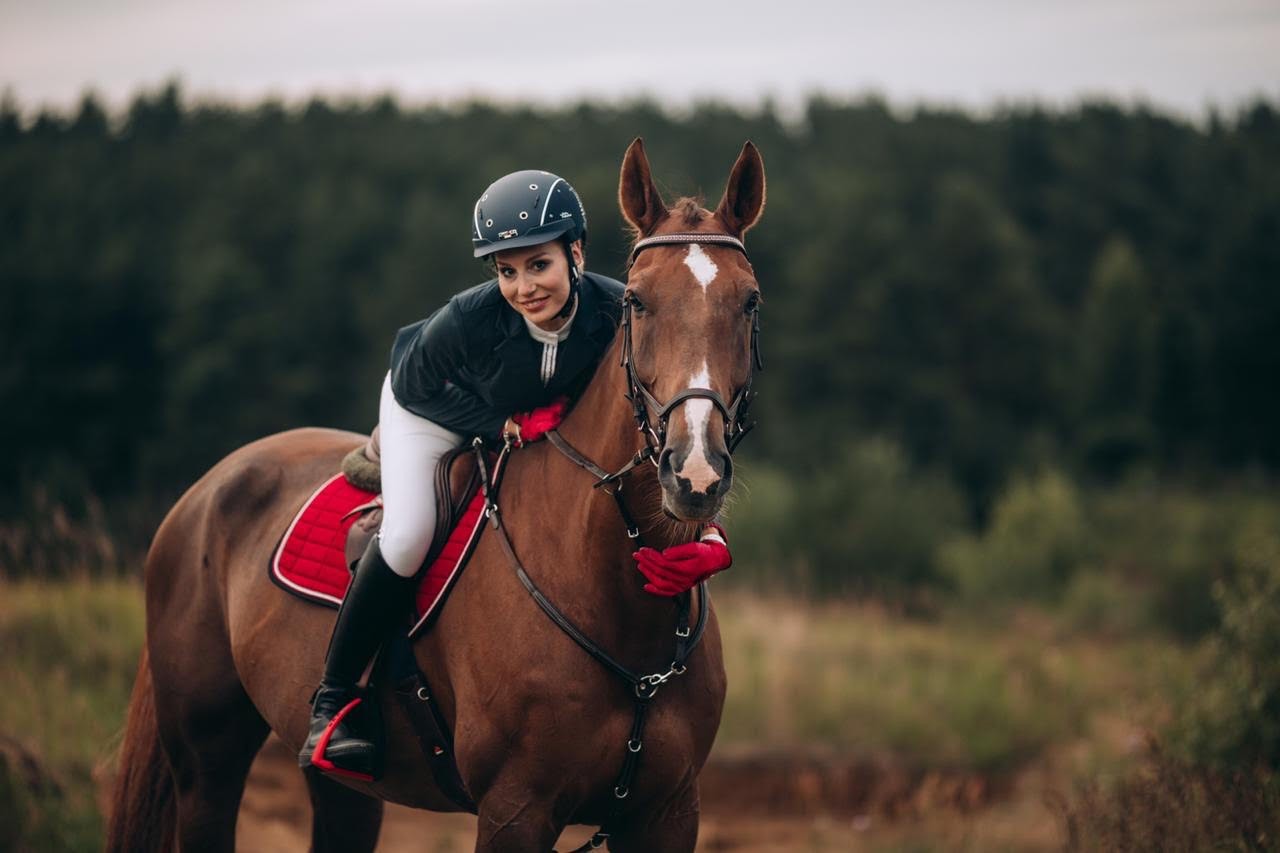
(642, 400)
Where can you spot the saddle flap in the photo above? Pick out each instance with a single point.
(456, 479)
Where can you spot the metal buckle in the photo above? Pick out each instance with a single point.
(683, 632)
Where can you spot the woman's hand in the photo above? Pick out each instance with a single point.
(531, 426)
(681, 567)
(511, 429)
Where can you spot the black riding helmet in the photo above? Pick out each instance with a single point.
(528, 208)
(525, 209)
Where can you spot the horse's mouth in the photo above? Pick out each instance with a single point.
(690, 507)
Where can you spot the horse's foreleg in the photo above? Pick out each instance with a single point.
(673, 827)
(508, 820)
(342, 819)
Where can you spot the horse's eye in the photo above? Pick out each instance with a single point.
(635, 303)
(753, 304)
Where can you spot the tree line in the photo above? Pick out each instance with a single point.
(1093, 287)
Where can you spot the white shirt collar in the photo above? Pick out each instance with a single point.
(542, 336)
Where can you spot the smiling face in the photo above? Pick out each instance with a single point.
(535, 280)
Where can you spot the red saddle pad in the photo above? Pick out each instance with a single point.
(310, 560)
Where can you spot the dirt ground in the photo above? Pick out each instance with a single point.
(752, 803)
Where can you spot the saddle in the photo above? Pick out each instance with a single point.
(331, 531)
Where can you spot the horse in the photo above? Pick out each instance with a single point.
(538, 727)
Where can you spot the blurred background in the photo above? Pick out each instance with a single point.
(1007, 541)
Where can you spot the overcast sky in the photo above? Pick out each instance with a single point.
(1181, 55)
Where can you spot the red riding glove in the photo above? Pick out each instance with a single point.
(534, 425)
(681, 567)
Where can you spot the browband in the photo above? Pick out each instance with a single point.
(685, 237)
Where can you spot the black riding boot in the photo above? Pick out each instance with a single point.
(376, 597)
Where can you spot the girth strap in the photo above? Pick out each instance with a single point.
(434, 737)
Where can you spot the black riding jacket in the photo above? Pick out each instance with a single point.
(472, 363)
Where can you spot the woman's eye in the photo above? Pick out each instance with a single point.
(539, 266)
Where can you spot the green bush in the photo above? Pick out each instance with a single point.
(1170, 544)
(1233, 718)
(1037, 537)
(866, 521)
(1104, 604)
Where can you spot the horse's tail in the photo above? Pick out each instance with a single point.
(143, 808)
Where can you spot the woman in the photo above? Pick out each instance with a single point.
(521, 342)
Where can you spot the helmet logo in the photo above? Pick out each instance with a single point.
(502, 235)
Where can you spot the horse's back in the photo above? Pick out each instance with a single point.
(209, 556)
(249, 487)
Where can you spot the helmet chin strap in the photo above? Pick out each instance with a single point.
(573, 283)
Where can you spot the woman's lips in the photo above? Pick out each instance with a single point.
(535, 304)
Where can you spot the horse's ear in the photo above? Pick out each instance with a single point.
(743, 200)
(638, 195)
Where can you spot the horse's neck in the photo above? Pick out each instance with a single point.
(602, 427)
(580, 554)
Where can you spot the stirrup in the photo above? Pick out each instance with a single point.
(320, 761)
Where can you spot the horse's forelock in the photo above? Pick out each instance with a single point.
(690, 211)
(687, 212)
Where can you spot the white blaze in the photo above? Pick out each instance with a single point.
(697, 411)
(700, 264)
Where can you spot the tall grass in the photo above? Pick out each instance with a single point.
(986, 695)
(951, 693)
(70, 653)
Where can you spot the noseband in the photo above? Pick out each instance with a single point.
(736, 425)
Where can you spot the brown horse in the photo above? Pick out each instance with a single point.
(540, 728)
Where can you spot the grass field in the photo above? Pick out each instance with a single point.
(988, 696)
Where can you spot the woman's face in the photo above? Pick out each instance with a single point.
(535, 280)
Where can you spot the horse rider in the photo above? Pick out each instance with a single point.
(524, 341)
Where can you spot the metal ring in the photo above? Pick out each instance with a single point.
(634, 745)
(621, 792)
(423, 694)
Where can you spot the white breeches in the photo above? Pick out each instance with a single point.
(411, 446)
